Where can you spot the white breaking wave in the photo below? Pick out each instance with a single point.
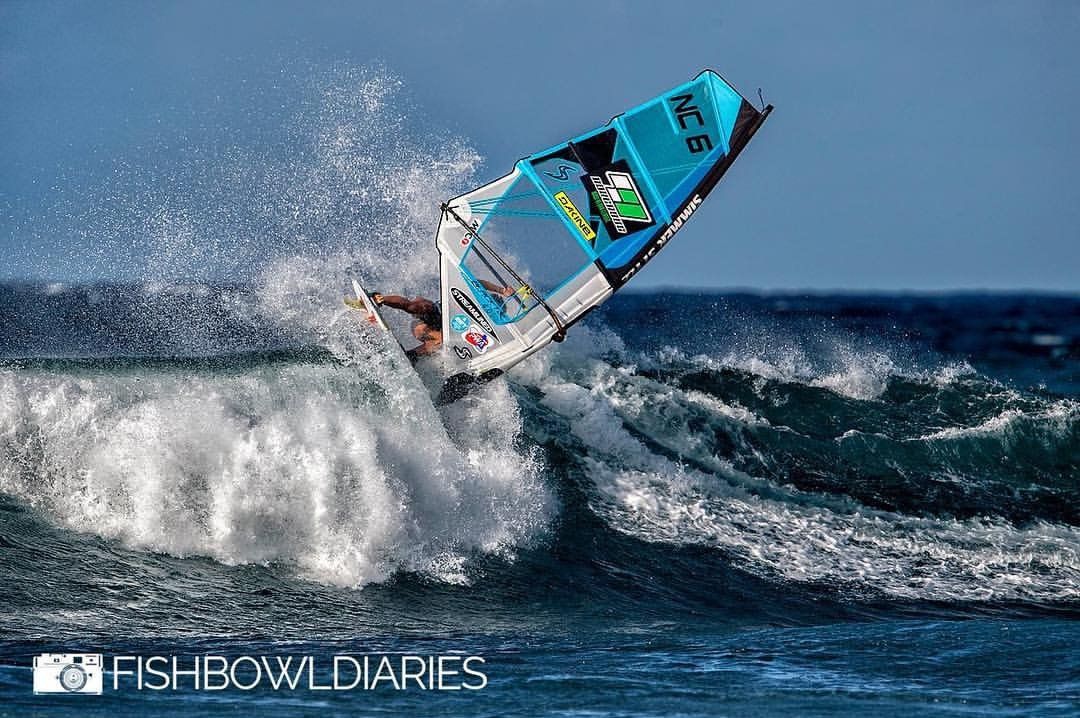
(845, 370)
(1059, 417)
(344, 472)
(311, 466)
(795, 536)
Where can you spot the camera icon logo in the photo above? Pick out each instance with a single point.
(68, 673)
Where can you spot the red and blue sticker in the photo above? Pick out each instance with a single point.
(477, 339)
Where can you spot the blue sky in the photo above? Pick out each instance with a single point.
(919, 145)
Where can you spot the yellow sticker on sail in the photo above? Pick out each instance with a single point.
(575, 216)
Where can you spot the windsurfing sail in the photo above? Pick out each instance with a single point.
(525, 257)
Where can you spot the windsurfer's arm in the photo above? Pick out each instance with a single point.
(391, 300)
(500, 289)
(412, 306)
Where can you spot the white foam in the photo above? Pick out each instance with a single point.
(845, 370)
(861, 376)
(733, 411)
(952, 373)
(345, 473)
(1058, 417)
(800, 537)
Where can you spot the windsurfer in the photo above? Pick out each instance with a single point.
(427, 317)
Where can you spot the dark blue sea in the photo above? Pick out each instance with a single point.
(700, 504)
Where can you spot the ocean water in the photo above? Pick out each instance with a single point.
(700, 504)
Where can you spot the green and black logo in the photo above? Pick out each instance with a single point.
(615, 197)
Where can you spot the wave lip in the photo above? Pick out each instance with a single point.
(1057, 418)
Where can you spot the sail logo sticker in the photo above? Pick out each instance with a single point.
(459, 322)
(567, 205)
(616, 198)
(463, 352)
(667, 234)
(563, 173)
(472, 310)
(467, 238)
(478, 339)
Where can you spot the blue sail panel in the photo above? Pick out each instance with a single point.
(678, 135)
(621, 183)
